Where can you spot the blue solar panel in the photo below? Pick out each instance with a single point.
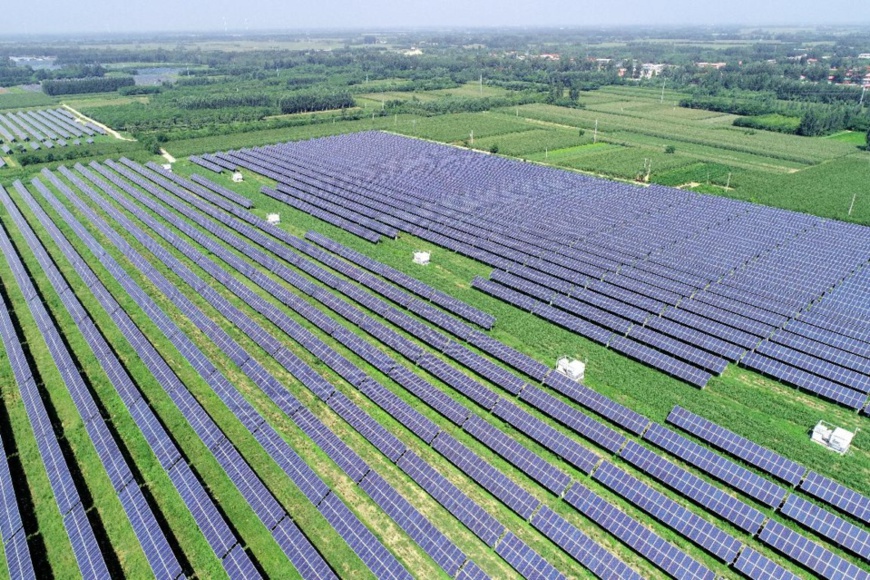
(305, 558)
(812, 556)
(571, 417)
(619, 414)
(528, 462)
(494, 481)
(752, 453)
(474, 517)
(361, 540)
(757, 567)
(837, 495)
(720, 544)
(525, 560)
(415, 524)
(548, 437)
(239, 566)
(717, 466)
(827, 525)
(589, 554)
(698, 490)
(641, 539)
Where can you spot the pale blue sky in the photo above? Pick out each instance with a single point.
(54, 16)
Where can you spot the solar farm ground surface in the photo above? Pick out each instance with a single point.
(758, 408)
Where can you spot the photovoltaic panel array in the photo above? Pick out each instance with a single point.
(752, 453)
(641, 285)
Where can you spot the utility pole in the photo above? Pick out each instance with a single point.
(851, 205)
(728, 182)
(663, 91)
(481, 83)
(595, 134)
(471, 138)
(863, 90)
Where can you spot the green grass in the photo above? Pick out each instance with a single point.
(856, 138)
(23, 100)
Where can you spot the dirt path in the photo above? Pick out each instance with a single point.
(165, 154)
(108, 130)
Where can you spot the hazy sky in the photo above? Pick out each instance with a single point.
(55, 16)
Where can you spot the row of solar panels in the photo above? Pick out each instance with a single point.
(49, 127)
(309, 344)
(86, 548)
(512, 498)
(426, 430)
(373, 552)
(692, 313)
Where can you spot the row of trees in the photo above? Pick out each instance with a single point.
(88, 85)
(815, 118)
(304, 102)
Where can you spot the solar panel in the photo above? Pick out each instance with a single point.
(619, 414)
(548, 437)
(827, 525)
(494, 481)
(474, 517)
(361, 540)
(528, 462)
(829, 491)
(757, 567)
(812, 556)
(717, 466)
(641, 539)
(752, 453)
(720, 544)
(415, 524)
(584, 550)
(524, 559)
(698, 490)
(305, 558)
(239, 566)
(471, 571)
(571, 417)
